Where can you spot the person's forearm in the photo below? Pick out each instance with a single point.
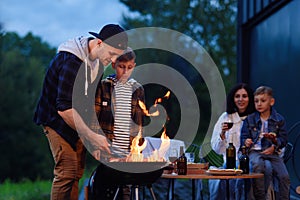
(92, 141)
(71, 116)
(68, 117)
(282, 137)
(217, 144)
(80, 126)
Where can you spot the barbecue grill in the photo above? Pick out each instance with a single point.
(108, 179)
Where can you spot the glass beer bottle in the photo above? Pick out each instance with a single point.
(230, 154)
(182, 163)
(244, 161)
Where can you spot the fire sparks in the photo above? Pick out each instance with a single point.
(159, 100)
(146, 112)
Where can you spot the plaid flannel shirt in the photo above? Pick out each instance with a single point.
(57, 95)
(105, 105)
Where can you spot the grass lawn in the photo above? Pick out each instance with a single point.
(30, 190)
(25, 190)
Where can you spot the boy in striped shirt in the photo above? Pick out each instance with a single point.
(117, 104)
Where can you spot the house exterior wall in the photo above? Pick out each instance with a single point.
(269, 54)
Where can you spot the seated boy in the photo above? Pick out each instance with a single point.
(264, 133)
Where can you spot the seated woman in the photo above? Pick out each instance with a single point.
(240, 103)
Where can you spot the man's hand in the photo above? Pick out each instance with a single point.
(96, 144)
(93, 142)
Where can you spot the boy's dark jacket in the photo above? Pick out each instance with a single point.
(276, 124)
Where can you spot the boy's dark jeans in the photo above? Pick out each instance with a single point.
(257, 160)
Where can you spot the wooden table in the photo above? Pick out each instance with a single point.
(193, 177)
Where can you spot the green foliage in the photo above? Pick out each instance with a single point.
(211, 23)
(24, 149)
(25, 190)
(23, 60)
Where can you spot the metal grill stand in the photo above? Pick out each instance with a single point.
(135, 190)
(107, 183)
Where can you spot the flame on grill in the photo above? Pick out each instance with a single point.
(164, 146)
(136, 154)
(136, 149)
(158, 100)
(143, 107)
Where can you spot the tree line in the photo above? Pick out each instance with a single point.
(24, 150)
(24, 60)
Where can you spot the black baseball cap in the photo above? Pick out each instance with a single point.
(114, 35)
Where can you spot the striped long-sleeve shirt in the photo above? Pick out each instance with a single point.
(105, 121)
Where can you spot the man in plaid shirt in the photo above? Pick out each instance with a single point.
(67, 100)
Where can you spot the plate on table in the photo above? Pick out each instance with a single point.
(225, 172)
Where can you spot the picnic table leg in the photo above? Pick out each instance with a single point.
(227, 189)
(193, 189)
(172, 189)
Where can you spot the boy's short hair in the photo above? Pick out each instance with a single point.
(264, 90)
(127, 55)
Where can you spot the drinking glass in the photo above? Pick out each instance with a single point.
(173, 156)
(229, 124)
(190, 156)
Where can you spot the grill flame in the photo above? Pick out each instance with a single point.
(146, 112)
(159, 154)
(136, 149)
(136, 154)
(158, 100)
